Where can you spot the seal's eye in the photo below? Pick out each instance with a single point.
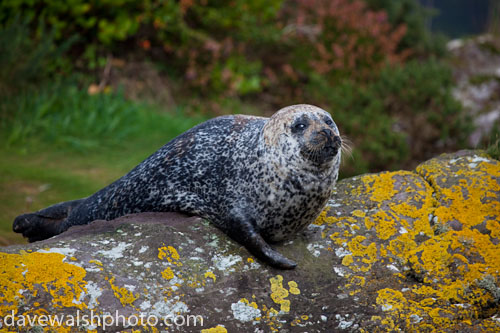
(329, 122)
(299, 127)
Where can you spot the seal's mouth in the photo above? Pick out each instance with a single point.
(322, 148)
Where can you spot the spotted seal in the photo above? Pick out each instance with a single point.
(260, 180)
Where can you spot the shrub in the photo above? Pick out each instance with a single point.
(494, 149)
(350, 56)
(359, 113)
(407, 114)
(413, 15)
(419, 95)
(232, 48)
(345, 38)
(218, 45)
(27, 58)
(208, 41)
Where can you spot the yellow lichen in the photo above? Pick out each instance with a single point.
(383, 181)
(216, 329)
(391, 299)
(384, 224)
(279, 293)
(40, 274)
(269, 315)
(347, 260)
(45, 276)
(170, 254)
(209, 274)
(358, 280)
(494, 228)
(358, 213)
(366, 254)
(95, 261)
(167, 274)
(323, 218)
(293, 288)
(252, 304)
(125, 296)
(453, 263)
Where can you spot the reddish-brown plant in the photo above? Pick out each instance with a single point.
(345, 38)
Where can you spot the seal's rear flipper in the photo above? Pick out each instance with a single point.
(244, 233)
(44, 223)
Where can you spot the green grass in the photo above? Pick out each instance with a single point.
(69, 118)
(34, 181)
(482, 78)
(494, 149)
(60, 144)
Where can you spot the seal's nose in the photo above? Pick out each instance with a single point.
(328, 132)
(337, 142)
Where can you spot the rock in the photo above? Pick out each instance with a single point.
(386, 254)
(476, 67)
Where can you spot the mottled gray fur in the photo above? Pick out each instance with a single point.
(258, 179)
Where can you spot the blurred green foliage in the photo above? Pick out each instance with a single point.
(371, 63)
(494, 149)
(197, 39)
(226, 47)
(25, 58)
(406, 114)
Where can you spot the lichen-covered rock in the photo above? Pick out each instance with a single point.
(476, 67)
(393, 251)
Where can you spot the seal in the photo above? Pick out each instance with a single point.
(260, 180)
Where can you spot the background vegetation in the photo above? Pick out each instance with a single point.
(90, 88)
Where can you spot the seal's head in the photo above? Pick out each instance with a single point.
(305, 134)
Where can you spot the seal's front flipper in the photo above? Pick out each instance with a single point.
(244, 233)
(44, 223)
